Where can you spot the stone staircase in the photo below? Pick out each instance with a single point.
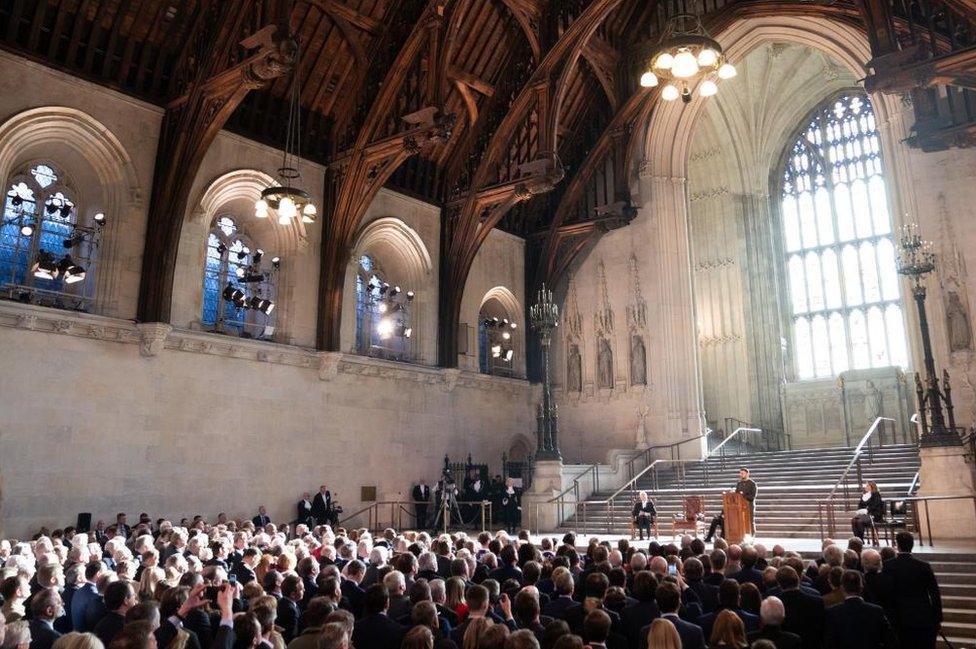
(956, 574)
(791, 484)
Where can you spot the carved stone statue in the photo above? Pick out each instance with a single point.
(604, 364)
(960, 335)
(872, 402)
(642, 442)
(574, 370)
(638, 361)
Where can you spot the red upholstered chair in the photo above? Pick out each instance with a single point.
(691, 516)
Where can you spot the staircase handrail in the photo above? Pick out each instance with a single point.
(575, 484)
(857, 456)
(645, 453)
(735, 433)
(915, 483)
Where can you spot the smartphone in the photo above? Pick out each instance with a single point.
(210, 593)
(232, 579)
(672, 569)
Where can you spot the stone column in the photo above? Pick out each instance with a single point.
(677, 382)
(945, 472)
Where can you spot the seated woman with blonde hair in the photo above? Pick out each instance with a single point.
(729, 631)
(663, 635)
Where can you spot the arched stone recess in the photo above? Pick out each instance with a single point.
(502, 298)
(403, 257)
(233, 194)
(103, 178)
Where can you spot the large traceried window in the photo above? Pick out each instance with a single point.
(239, 284)
(846, 300)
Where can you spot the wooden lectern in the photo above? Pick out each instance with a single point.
(738, 518)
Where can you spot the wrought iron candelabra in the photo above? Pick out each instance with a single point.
(544, 317)
(916, 260)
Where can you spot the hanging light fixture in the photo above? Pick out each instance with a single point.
(686, 59)
(286, 199)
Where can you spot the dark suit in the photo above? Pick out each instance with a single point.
(83, 596)
(457, 635)
(916, 603)
(356, 596)
(692, 636)
(635, 617)
(288, 615)
(166, 633)
(378, 631)
(109, 627)
(782, 639)
(43, 634)
(804, 616)
(260, 521)
(558, 606)
(399, 606)
(421, 496)
(749, 491)
(643, 515)
(507, 572)
(855, 624)
(322, 507)
(750, 575)
(245, 574)
(707, 594)
(303, 512)
(575, 616)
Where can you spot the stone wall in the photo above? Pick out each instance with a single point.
(100, 416)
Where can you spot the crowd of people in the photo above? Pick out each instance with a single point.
(241, 585)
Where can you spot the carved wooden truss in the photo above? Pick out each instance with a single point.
(517, 114)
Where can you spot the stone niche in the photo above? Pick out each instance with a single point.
(838, 412)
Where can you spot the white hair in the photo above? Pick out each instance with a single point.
(427, 561)
(772, 612)
(395, 582)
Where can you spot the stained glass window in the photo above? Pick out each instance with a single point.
(40, 226)
(232, 265)
(840, 258)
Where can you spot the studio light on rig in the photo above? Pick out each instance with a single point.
(686, 59)
(287, 199)
(45, 266)
(70, 271)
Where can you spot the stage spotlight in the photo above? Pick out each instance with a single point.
(65, 211)
(384, 328)
(266, 307)
(509, 354)
(410, 296)
(506, 335)
(27, 229)
(408, 332)
(221, 249)
(239, 299)
(257, 256)
(513, 325)
(240, 272)
(394, 291)
(70, 271)
(496, 351)
(252, 278)
(241, 254)
(384, 288)
(44, 267)
(51, 208)
(254, 303)
(276, 262)
(228, 293)
(100, 218)
(16, 201)
(381, 307)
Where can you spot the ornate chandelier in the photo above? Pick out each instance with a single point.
(286, 198)
(686, 59)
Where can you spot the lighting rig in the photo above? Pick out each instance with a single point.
(500, 337)
(251, 275)
(392, 303)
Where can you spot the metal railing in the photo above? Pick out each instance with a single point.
(760, 438)
(559, 500)
(400, 510)
(826, 509)
(673, 449)
(913, 501)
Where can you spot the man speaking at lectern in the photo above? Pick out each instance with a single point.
(747, 487)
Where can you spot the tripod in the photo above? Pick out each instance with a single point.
(449, 508)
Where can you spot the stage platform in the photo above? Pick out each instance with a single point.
(805, 546)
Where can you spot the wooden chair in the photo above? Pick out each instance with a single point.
(691, 517)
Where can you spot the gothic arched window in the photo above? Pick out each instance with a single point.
(46, 255)
(239, 284)
(846, 302)
(496, 339)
